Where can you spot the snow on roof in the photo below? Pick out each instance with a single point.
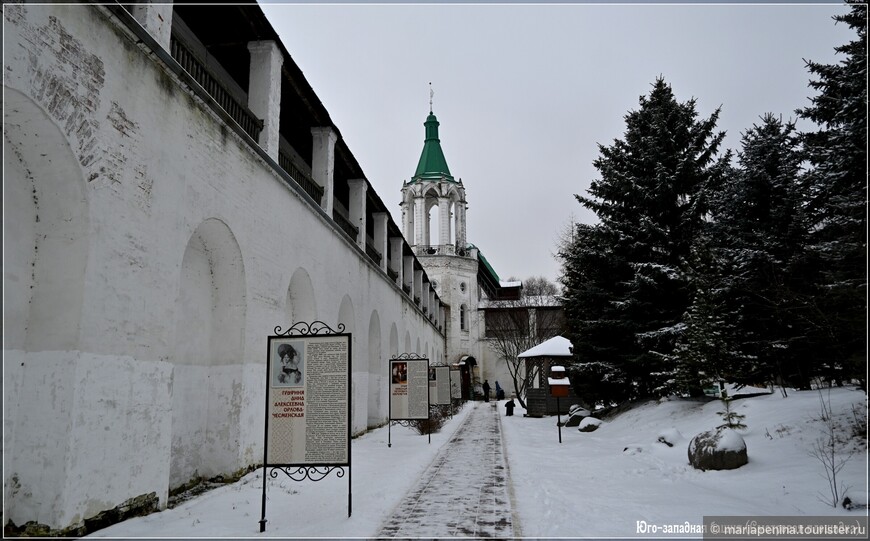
(502, 283)
(554, 347)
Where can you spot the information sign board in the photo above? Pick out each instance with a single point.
(308, 400)
(439, 385)
(409, 389)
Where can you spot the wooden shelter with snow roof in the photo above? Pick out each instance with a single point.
(538, 360)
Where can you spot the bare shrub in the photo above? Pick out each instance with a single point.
(438, 415)
(858, 424)
(831, 451)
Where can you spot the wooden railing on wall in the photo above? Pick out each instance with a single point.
(240, 113)
(307, 183)
(345, 225)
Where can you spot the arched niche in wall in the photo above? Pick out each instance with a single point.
(394, 341)
(208, 355)
(347, 316)
(407, 342)
(301, 303)
(45, 231)
(377, 369)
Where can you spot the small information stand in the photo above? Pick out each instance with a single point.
(409, 391)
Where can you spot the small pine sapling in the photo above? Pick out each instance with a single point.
(732, 418)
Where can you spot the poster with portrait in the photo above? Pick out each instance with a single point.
(409, 389)
(439, 385)
(308, 400)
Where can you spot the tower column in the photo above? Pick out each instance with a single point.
(459, 211)
(407, 206)
(420, 221)
(443, 221)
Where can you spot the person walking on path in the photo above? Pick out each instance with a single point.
(485, 390)
(499, 392)
(509, 406)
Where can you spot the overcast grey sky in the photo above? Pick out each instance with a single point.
(525, 92)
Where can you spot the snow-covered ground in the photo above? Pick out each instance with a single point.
(593, 484)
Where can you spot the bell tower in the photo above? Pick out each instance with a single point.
(433, 186)
(438, 238)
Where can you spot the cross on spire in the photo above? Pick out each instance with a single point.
(431, 95)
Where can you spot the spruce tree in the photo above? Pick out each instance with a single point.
(650, 199)
(760, 233)
(837, 200)
(592, 275)
(708, 350)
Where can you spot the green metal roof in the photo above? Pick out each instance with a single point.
(486, 275)
(432, 164)
(489, 268)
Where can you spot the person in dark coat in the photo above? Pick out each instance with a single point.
(499, 392)
(485, 390)
(509, 405)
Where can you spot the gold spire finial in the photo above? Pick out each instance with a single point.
(431, 95)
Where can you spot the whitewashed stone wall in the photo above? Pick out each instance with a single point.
(148, 253)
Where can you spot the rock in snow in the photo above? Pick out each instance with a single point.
(589, 424)
(720, 449)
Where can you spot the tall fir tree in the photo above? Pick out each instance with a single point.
(593, 274)
(650, 200)
(837, 201)
(760, 236)
(706, 350)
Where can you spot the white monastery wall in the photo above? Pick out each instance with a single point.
(148, 253)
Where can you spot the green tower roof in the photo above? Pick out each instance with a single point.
(432, 165)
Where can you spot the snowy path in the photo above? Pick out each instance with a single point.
(465, 492)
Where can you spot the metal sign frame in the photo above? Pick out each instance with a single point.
(405, 421)
(315, 471)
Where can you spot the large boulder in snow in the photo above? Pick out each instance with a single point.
(575, 415)
(589, 424)
(720, 449)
